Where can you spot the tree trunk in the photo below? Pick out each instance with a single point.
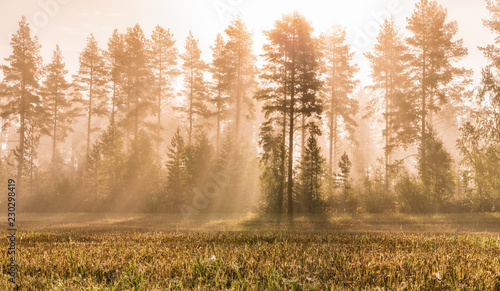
(191, 108)
(290, 141)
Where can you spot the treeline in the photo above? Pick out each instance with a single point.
(303, 105)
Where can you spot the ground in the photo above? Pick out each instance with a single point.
(254, 252)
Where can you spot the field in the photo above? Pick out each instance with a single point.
(250, 252)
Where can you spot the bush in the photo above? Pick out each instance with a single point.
(412, 196)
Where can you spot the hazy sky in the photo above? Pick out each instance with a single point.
(69, 22)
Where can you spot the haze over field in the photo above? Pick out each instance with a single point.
(251, 106)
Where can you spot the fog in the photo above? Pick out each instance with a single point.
(243, 107)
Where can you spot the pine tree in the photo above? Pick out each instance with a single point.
(196, 89)
(272, 162)
(389, 64)
(434, 53)
(345, 171)
(115, 57)
(240, 70)
(57, 104)
(21, 84)
(339, 84)
(220, 98)
(177, 173)
(164, 65)
(311, 166)
(138, 79)
(91, 80)
(435, 169)
(290, 70)
(479, 144)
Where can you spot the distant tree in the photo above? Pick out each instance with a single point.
(199, 161)
(434, 52)
(312, 167)
(240, 70)
(105, 170)
(59, 107)
(390, 73)
(164, 64)
(137, 80)
(339, 84)
(20, 87)
(115, 57)
(220, 98)
(196, 88)
(290, 70)
(479, 144)
(177, 173)
(345, 166)
(141, 174)
(91, 80)
(272, 162)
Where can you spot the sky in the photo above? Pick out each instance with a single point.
(69, 22)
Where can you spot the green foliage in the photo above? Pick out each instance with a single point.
(374, 195)
(412, 195)
(272, 164)
(141, 175)
(104, 175)
(435, 170)
(177, 177)
(311, 173)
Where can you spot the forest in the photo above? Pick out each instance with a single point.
(147, 125)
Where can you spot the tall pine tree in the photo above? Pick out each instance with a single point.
(434, 52)
(240, 70)
(115, 56)
(164, 65)
(390, 74)
(57, 104)
(220, 98)
(196, 90)
(91, 81)
(339, 83)
(291, 82)
(137, 80)
(21, 85)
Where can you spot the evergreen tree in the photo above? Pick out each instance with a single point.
(389, 64)
(339, 84)
(115, 57)
(312, 166)
(435, 169)
(290, 70)
(105, 170)
(272, 162)
(345, 171)
(177, 172)
(164, 65)
(196, 89)
(240, 70)
(434, 52)
(91, 80)
(220, 99)
(59, 108)
(137, 80)
(479, 144)
(21, 84)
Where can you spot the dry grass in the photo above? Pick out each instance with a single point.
(92, 257)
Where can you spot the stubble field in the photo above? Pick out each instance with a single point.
(249, 252)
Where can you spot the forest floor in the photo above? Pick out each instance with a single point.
(77, 251)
